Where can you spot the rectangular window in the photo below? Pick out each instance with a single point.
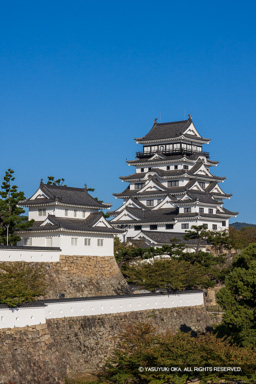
(169, 147)
(173, 183)
(73, 240)
(153, 227)
(100, 242)
(146, 149)
(137, 227)
(138, 185)
(42, 212)
(150, 203)
(185, 226)
(175, 166)
(168, 167)
(185, 166)
(187, 210)
(48, 241)
(202, 184)
(214, 227)
(27, 241)
(201, 210)
(149, 168)
(205, 226)
(83, 213)
(210, 211)
(168, 226)
(142, 169)
(66, 212)
(223, 223)
(87, 242)
(75, 213)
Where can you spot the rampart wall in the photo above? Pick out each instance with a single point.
(80, 276)
(47, 353)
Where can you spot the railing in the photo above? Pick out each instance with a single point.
(178, 151)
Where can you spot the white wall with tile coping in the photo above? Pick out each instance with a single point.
(26, 316)
(29, 255)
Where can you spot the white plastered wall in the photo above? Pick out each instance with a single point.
(84, 250)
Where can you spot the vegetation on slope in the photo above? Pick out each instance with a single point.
(20, 283)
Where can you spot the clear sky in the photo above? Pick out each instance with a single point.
(80, 79)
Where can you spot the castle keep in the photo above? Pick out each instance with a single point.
(172, 188)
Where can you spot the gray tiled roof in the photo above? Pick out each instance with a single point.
(171, 173)
(149, 216)
(172, 190)
(166, 237)
(167, 130)
(227, 212)
(65, 195)
(85, 225)
(203, 197)
(166, 215)
(171, 157)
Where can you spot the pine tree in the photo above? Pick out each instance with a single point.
(10, 213)
(52, 181)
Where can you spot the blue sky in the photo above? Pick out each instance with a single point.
(80, 79)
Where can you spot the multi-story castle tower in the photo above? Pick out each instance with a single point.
(172, 188)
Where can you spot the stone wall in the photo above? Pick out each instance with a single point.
(78, 276)
(81, 276)
(46, 354)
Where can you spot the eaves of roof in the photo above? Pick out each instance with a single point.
(73, 225)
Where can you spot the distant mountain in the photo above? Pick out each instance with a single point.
(238, 225)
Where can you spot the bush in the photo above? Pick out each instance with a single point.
(141, 347)
(20, 283)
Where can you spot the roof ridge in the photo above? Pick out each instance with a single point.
(63, 187)
(174, 122)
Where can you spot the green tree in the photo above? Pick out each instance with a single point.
(20, 283)
(52, 181)
(141, 346)
(198, 232)
(220, 241)
(243, 237)
(238, 299)
(171, 274)
(10, 213)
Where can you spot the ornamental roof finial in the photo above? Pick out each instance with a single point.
(155, 121)
(41, 182)
(85, 187)
(189, 117)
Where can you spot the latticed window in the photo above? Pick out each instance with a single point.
(100, 242)
(187, 210)
(185, 226)
(73, 240)
(173, 183)
(150, 203)
(138, 185)
(87, 242)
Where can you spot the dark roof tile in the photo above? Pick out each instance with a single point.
(65, 195)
